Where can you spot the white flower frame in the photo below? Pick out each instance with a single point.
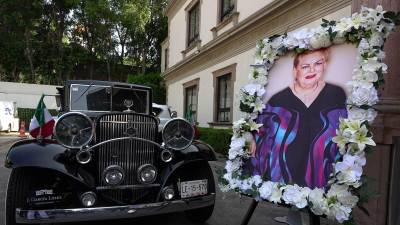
(368, 30)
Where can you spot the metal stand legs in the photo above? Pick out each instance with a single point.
(314, 220)
(249, 212)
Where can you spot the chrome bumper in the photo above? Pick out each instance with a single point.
(114, 212)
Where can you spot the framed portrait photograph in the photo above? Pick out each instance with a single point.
(306, 97)
(307, 108)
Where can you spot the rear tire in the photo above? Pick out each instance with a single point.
(17, 192)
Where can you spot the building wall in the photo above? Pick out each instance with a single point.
(247, 8)
(28, 95)
(177, 21)
(240, 53)
(383, 165)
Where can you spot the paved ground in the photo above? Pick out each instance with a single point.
(229, 209)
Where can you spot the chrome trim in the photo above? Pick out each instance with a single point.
(117, 168)
(139, 170)
(83, 161)
(68, 114)
(135, 186)
(166, 158)
(89, 193)
(170, 121)
(117, 146)
(123, 138)
(113, 212)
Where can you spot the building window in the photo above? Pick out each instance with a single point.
(224, 98)
(224, 80)
(194, 23)
(191, 103)
(227, 7)
(166, 59)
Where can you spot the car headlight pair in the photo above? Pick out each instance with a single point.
(177, 134)
(115, 175)
(75, 130)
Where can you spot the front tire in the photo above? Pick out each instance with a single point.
(17, 192)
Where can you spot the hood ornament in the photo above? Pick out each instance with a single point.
(128, 103)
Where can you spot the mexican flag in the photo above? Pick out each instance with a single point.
(42, 122)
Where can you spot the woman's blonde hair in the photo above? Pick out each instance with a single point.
(325, 53)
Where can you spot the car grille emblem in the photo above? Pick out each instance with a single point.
(131, 131)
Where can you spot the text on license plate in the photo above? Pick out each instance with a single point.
(193, 188)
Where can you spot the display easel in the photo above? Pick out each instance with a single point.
(314, 219)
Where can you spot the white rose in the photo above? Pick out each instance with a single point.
(257, 180)
(246, 184)
(343, 195)
(266, 189)
(320, 41)
(363, 96)
(372, 65)
(319, 202)
(233, 165)
(376, 39)
(295, 195)
(236, 147)
(350, 169)
(277, 42)
(364, 46)
(276, 194)
(254, 89)
(339, 212)
(355, 113)
(343, 25)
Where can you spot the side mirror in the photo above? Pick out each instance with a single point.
(174, 114)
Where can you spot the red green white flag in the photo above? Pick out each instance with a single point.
(42, 122)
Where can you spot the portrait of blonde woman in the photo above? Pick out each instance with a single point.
(294, 145)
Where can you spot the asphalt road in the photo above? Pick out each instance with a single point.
(229, 209)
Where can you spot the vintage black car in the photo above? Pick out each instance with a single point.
(107, 160)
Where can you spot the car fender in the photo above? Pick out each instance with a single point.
(199, 150)
(46, 154)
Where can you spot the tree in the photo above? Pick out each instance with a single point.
(46, 41)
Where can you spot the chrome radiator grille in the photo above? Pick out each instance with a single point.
(128, 154)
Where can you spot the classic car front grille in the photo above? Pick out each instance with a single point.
(129, 154)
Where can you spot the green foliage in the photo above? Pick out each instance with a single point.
(219, 139)
(153, 80)
(48, 41)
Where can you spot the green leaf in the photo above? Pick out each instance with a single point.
(246, 108)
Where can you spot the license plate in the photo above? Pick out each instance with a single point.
(193, 188)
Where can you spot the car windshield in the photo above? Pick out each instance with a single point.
(90, 97)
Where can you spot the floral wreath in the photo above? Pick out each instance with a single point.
(368, 30)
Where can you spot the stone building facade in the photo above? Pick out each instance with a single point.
(211, 44)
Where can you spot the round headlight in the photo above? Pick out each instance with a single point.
(177, 134)
(147, 174)
(88, 199)
(74, 130)
(113, 175)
